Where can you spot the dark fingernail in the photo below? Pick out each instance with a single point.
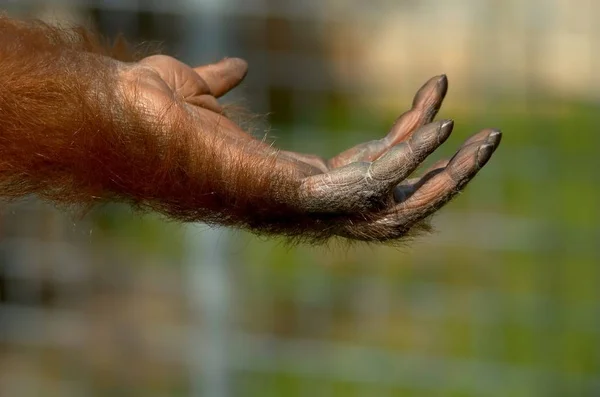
(494, 137)
(484, 153)
(426, 136)
(446, 127)
(447, 123)
(442, 85)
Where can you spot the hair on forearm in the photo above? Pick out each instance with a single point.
(68, 136)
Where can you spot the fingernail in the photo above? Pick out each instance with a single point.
(484, 153)
(494, 137)
(447, 123)
(446, 127)
(442, 85)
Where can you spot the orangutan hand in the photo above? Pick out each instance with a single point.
(362, 193)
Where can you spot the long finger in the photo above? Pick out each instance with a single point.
(407, 187)
(447, 183)
(223, 76)
(425, 106)
(439, 185)
(404, 158)
(362, 186)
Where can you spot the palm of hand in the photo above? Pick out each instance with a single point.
(364, 190)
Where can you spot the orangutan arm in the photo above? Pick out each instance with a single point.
(78, 127)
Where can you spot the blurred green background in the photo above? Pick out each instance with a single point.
(502, 300)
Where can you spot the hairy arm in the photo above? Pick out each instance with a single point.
(79, 127)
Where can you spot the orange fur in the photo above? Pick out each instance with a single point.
(68, 135)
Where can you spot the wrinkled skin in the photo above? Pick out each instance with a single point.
(369, 179)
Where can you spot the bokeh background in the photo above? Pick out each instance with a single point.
(502, 300)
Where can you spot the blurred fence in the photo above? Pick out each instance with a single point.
(502, 301)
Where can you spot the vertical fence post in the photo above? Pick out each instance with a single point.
(206, 272)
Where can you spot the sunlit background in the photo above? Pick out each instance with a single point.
(502, 300)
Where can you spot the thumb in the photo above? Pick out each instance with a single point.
(224, 75)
